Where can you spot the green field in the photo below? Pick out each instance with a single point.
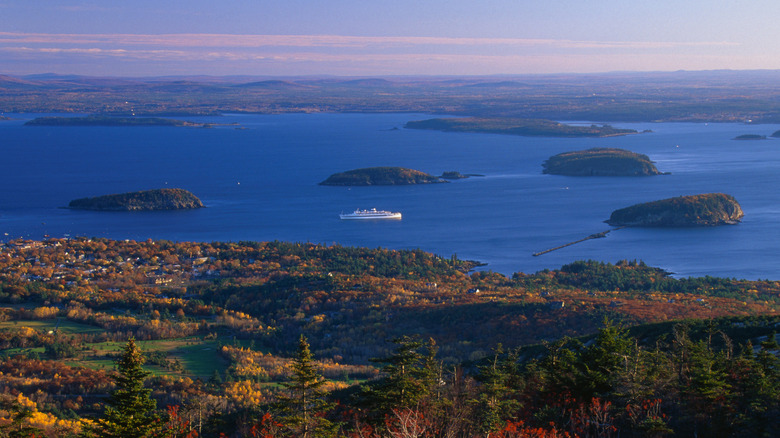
(198, 357)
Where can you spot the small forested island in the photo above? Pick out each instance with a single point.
(110, 121)
(453, 174)
(600, 162)
(517, 126)
(750, 137)
(703, 210)
(775, 134)
(380, 176)
(157, 199)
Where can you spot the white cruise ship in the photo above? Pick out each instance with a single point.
(370, 214)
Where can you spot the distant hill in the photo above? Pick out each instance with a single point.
(158, 199)
(12, 82)
(600, 162)
(684, 211)
(501, 84)
(273, 84)
(368, 82)
(380, 176)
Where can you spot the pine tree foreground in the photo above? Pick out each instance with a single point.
(302, 412)
(130, 411)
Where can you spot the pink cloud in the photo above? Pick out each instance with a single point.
(337, 54)
(334, 41)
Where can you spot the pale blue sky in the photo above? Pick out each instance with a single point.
(368, 37)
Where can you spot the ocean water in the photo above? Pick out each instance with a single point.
(261, 183)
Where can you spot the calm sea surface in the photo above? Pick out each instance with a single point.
(260, 183)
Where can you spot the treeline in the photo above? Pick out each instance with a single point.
(686, 383)
(692, 380)
(636, 276)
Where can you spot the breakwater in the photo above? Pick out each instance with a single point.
(592, 236)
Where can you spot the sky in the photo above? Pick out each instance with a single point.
(383, 37)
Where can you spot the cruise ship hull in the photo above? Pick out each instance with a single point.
(370, 215)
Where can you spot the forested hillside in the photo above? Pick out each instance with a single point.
(233, 334)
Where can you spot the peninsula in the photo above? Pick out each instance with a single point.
(381, 176)
(703, 210)
(157, 199)
(600, 162)
(517, 126)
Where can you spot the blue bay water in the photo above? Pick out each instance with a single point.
(260, 183)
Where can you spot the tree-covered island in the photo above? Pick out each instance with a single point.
(750, 137)
(157, 199)
(703, 210)
(111, 121)
(600, 162)
(517, 126)
(381, 176)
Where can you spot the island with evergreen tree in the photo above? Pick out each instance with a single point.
(147, 200)
(600, 162)
(709, 209)
(381, 176)
(517, 126)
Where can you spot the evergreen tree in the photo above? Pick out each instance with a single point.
(131, 412)
(605, 361)
(302, 411)
(497, 402)
(406, 379)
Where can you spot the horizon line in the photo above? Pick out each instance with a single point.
(55, 75)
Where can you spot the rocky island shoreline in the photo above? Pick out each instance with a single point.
(705, 210)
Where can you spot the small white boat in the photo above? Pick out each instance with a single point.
(371, 214)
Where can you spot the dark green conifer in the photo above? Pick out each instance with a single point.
(130, 411)
(497, 402)
(302, 411)
(405, 380)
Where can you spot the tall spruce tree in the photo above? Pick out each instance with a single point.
(302, 411)
(409, 378)
(497, 402)
(130, 411)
